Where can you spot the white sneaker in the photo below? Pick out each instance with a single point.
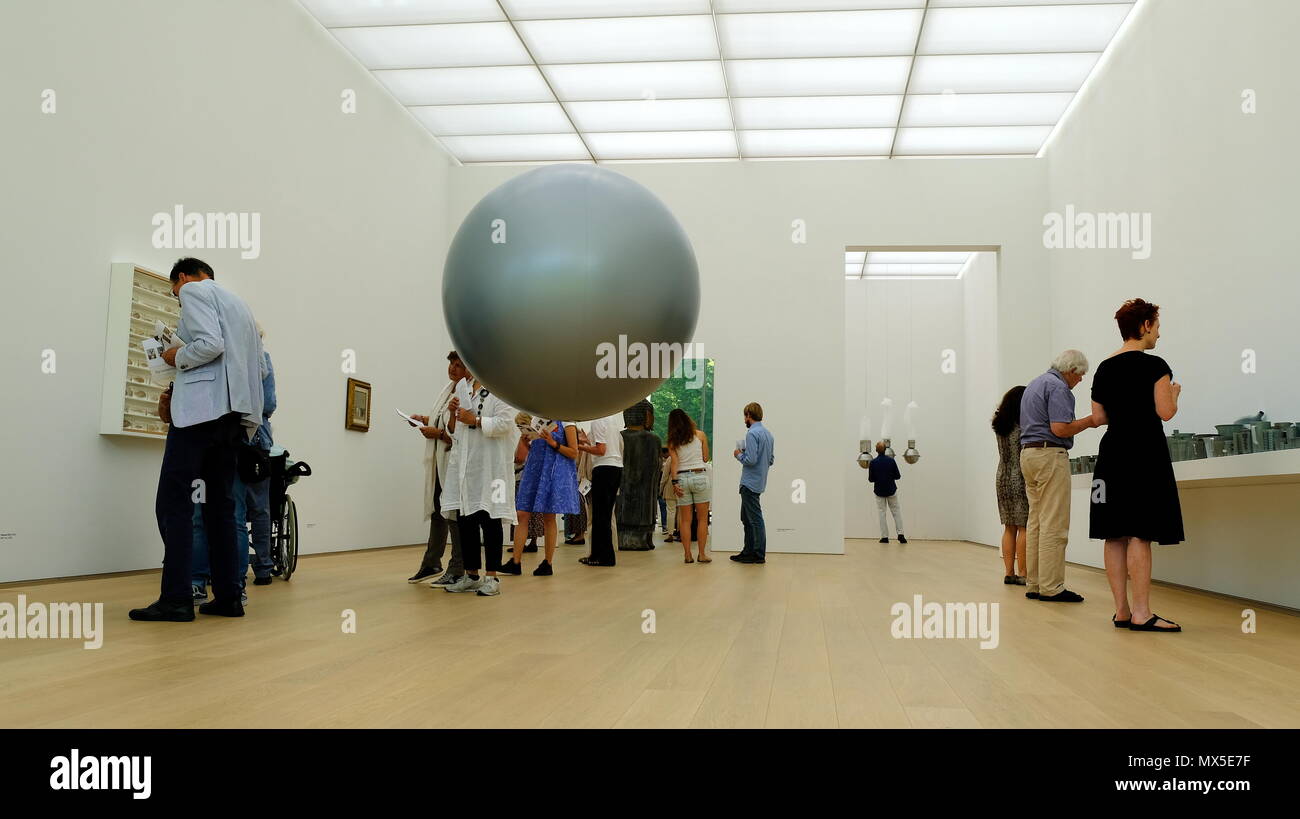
(489, 587)
(447, 579)
(465, 584)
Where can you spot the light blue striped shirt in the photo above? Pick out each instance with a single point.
(757, 456)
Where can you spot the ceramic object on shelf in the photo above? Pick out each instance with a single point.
(1242, 439)
(1181, 446)
(1205, 445)
(1259, 430)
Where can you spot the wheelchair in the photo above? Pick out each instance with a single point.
(284, 515)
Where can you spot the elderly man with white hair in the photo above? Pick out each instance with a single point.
(1047, 430)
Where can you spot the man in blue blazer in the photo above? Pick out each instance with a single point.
(215, 400)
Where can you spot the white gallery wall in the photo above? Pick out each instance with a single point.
(772, 308)
(896, 334)
(230, 106)
(983, 388)
(950, 368)
(1195, 122)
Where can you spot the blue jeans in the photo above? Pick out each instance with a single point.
(257, 503)
(751, 517)
(252, 505)
(663, 514)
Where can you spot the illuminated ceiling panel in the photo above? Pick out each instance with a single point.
(654, 80)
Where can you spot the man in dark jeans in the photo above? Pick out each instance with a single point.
(606, 448)
(756, 458)
(218, 398)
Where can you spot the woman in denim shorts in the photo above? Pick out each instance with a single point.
(688, 456)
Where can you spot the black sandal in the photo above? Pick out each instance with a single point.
(1121, 623)
(1150, 625)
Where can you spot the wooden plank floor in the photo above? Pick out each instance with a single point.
(803, 641)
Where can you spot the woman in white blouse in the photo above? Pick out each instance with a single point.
(481, 482)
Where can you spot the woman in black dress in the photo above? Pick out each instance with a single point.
(1134, 496)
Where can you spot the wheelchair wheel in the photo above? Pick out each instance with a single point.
(281, 533)
(289, 539)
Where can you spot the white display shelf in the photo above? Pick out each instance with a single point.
(136, 298)
(1255, 468)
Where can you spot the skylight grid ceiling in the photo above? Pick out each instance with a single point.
(641, 80)
(910, 264)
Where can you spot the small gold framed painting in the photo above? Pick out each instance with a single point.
(358, 411)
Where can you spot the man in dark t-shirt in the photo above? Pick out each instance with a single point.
(883, 472)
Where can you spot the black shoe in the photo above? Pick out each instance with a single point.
(543, 569)
(511, 567)
(1009, 580)
(573, 542)
(262, 581)
(223, 608)
(901, 539)
(422, 576)
(531, 546)
(1032, 595)
(750, 559)
(1063, 596)
(884, 540)
(1150, 625)
(161, 611)
(739, 557)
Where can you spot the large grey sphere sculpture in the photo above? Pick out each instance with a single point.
(552, 265)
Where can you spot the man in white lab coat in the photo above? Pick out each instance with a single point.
(480, 482)
(438, 427)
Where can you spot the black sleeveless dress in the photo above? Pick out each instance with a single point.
(1137, 496)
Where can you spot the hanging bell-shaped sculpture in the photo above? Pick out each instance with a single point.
(865, 454)
(910, 454)
(889, 449)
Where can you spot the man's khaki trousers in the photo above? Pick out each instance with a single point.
(1047, 483)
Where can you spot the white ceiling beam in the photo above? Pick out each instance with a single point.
(547, 80)
(726, 83)
(907, 86)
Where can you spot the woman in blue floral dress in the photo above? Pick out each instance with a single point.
(548, 487)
